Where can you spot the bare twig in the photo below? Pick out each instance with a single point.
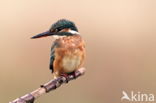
(47, 87)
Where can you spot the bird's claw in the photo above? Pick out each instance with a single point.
(74, 75)
(66, 76)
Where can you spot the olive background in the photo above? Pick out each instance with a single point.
(120, 40)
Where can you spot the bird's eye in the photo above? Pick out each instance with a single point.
(56, 30)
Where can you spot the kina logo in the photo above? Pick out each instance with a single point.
(137, 96)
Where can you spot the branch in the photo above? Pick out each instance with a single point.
(47, 87)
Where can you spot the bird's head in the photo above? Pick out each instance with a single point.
(62, 27)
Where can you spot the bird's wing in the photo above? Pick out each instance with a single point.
(52, 56)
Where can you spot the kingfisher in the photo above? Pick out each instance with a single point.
(68, 49)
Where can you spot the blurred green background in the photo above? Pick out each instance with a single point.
(120, 39)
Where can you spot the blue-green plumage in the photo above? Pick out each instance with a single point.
(62, 24)
(52, 57)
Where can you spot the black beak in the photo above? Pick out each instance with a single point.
(44, 34)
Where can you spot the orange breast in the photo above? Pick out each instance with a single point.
(69, 55)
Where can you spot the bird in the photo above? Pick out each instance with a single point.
(68, 51)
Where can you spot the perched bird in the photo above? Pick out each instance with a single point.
(68, 50)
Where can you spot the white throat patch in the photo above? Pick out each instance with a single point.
(69, 31)
(57, 37)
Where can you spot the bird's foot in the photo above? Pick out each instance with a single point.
(74, 74)
(66, 76)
